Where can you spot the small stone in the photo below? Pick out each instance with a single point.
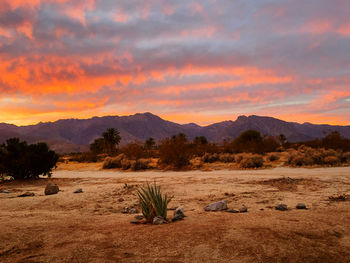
(26, 194)
(301, 206)
(178, 214)
(6, 191)
(51, 189)
(121, 199)
(135, 221)
(232, 211)
(158, 220)
(133, 211)
(281, 207)
(78, 191)
(243, 209)
(262, 209)
(125, 210)
(138, 217)
(216, 206)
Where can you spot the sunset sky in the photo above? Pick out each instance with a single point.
(186, 61)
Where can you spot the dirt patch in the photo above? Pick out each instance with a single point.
(90, 226)
(290, 184)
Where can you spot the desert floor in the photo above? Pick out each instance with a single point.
(90, 226)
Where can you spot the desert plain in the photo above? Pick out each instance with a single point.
(91, 226)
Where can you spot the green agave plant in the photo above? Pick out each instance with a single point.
(152, 202)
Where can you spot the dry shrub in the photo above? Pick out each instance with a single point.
(241, 156)
(251, 161)
(345, 158)
(307, 156)
(226, 158)
(140, 164)
(273, 157)
(210, 157)
(196, 163)
(331, 160)
(113, 162)
(122, 162)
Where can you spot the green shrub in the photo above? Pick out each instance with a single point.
(153, 203)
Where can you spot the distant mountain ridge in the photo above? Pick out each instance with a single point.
(76, 134)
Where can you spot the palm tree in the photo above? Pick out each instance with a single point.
(112, 138)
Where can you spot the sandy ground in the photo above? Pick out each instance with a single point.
(90, 227)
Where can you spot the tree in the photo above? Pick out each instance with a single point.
(111, 139)
(23, 161)
(200, 140)
(175, 151)
(282, 139)
(98, 146)
(150, 143)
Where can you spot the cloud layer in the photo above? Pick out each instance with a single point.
(201, 61)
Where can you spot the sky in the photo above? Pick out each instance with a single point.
(186, 61)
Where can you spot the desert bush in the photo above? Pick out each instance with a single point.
(345, 157)
(252, 161)
(226, 158)
(126, 164)
(134, 151)
(140, 164)
(153, 203)
(331, 160)
(113, 162)
(175, 151)
(307, 156)
(85, 157)
(273, 157)
(210, 157)
(239, 157)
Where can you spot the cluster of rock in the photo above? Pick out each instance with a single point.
(50, 189)
(222, 206)
(179, 214)
(284, 207)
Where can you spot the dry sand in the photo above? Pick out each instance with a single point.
(89, 227)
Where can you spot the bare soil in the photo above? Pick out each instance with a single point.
(90, 227)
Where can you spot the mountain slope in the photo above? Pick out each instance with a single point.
(76, 134)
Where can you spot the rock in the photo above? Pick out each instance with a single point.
(217, 206)
(133, 211)
(139, 217)
(232, 211)
(78, 191)
(178, 214)
(51, 189)
(26, 194)
(121, 199)
(158, 220)
(125, 210)
(301, 206)
(135, 221)
(243, 209)
(6, 191)
(281, 207)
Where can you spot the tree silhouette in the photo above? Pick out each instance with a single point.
(112, 139)
(23, 161)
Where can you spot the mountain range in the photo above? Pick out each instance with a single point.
(71, 135)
